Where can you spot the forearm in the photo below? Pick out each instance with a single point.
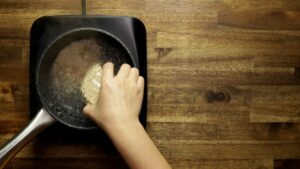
(116, 112)
(136, 147)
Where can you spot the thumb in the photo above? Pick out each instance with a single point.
(87, 110)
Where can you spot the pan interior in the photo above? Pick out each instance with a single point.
(63, 66)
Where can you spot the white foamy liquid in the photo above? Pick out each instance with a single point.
(70, 66)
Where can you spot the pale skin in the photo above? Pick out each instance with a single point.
(117, 111)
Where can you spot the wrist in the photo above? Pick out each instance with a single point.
(122, 126)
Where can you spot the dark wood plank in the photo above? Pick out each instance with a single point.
(286, 164)
(229, 149)
(261, 5)
(266, 15)
(10, 55)
(275, 104)
(189, 113)
(260, 58)
(184, 11)
(224, 131)
(168, 74)
(67, 163)
(118, 7)
(222, 96)
(17, 17)
(270, 20)
(14, 107)
(190, 149)
(6, 94)
(229, 39)
(224, 164)
(285, 58)
(98, 163)
(15, 74)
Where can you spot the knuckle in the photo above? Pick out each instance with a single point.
(125, 65)
(134, 69)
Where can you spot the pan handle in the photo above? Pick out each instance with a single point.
(41, 121)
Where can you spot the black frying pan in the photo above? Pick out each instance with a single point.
(68, 112)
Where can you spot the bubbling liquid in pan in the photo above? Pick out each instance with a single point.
(75, 75)
(76, 72)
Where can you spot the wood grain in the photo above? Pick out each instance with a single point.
(290, 163)
(223, 83)
(17, 17)
(275, 104)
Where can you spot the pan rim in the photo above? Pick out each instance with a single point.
(43, 56)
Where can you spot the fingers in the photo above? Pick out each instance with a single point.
(124, 71)
(140, 87)
(141, 83)
(134, 74)
(108, 70)
(131, 73)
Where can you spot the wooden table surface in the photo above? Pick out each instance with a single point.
(223, 89)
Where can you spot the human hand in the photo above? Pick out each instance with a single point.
(117, 110)
(120, 97)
